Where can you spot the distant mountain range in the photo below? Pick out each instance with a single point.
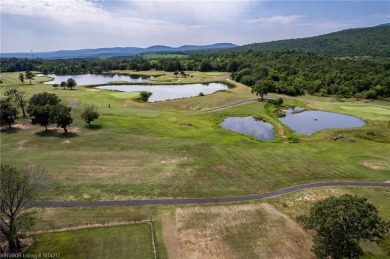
(113, 52)
(371, 41)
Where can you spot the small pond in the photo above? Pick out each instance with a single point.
(167, 92)
(309, 122)
(251, 126)
(95, 79)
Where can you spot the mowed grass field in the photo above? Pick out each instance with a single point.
(134, 153)
(129, 241)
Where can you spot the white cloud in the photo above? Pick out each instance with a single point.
(73, 24)
(67, 11)
(278, 19)
(189, 11)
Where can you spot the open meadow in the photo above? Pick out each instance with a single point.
(177, 149)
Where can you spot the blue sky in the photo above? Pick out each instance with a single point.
(47, 25)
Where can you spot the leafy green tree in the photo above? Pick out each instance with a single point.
(8, 113)
(89, 114)
(21, 78)
(61, 116)
(18, 96)
(40, 108)
(70, 83)
(341, 223)
(56, 86)
(144, 96)
(63, 84)
(40, 115)
(29, 75)
(19, 188)
(262, 88)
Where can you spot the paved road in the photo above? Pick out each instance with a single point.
(207, 200)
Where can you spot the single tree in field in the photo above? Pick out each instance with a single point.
(29, 75)
(261, 88)
(21, 78)
(70, 83)
(40, 108)
(89, 114)
(19, 188)
(61, 116)
(8, 113)
(18, 96)
(63, 84)
(56, 86)
(341, 223)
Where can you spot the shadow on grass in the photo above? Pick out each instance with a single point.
(56, 133)
(8, 130)
(93, 127)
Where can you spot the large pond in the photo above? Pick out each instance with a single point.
(167, 92)
(95, 79)
(309, 122)
(251, 126)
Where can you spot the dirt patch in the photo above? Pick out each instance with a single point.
(376, 165)
(75, 129)
(93, 90)
(175, 161)
(66, 142)
(240, 231)
(22, 126)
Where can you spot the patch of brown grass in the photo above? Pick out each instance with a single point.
(376, 165)
(171, 238)
(240, 231)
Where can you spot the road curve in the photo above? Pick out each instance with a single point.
(64, 204)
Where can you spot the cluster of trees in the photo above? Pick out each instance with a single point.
(70, 83)
(27, 75)
(43, 109)
(297, 73)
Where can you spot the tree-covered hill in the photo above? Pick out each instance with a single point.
(372, 41)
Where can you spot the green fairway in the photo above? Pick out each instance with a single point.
(131, 241)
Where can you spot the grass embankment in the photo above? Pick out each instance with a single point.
(130, 241)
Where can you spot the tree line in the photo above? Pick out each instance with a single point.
(289, 72)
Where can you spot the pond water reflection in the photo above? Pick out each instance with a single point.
(167, 92)
(251, 126)
(95, 79)
(309, 122)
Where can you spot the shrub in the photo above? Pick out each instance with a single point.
(143, 96)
